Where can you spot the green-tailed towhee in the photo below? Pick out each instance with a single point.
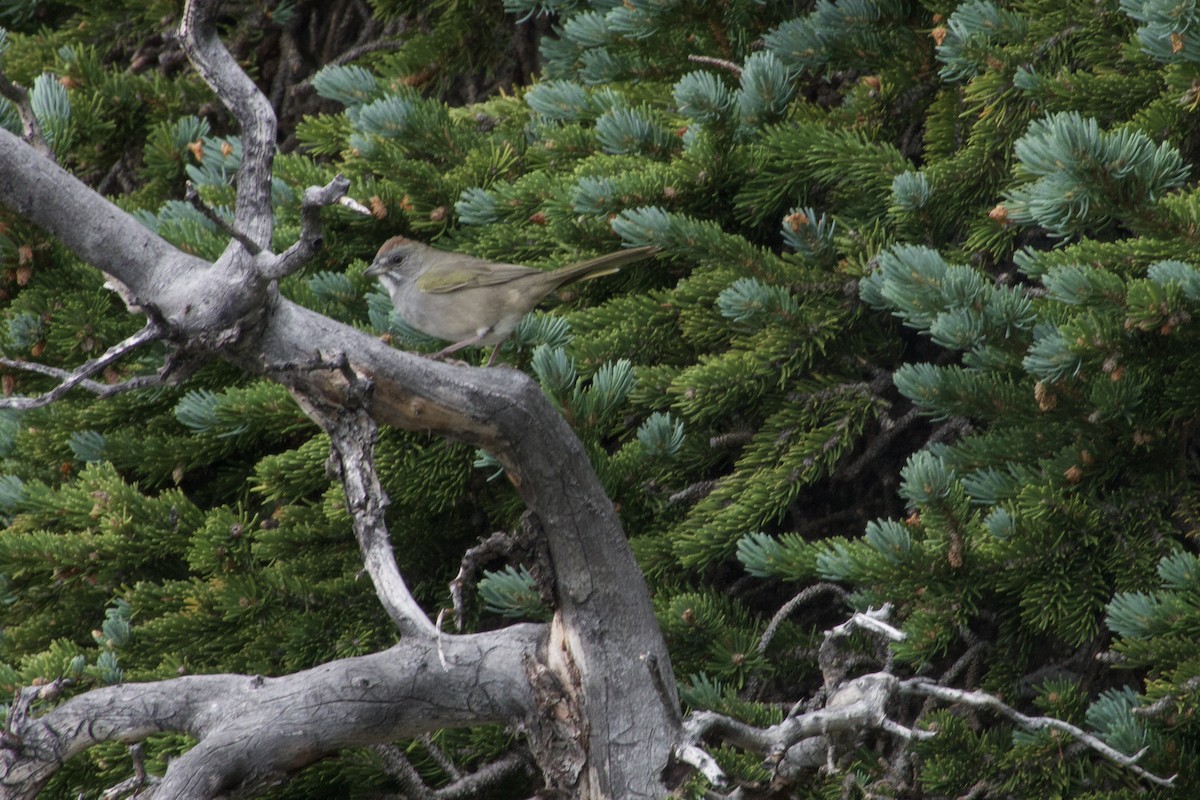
(467, 300)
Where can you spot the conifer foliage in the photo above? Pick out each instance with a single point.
(919, 334)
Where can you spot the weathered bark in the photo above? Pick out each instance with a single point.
(255, 730)
(610, 639)
(593, 688)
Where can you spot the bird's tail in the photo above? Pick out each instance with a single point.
(603, 265)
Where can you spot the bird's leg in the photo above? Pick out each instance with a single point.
(454, 348)
(495, 351)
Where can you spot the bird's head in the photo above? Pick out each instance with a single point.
(395, 258)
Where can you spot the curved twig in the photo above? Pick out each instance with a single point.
(352, 435)
(218, 68)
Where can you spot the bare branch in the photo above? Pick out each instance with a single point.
(873, 620)
(401, 769)
(857, 705)
(95, 387)
(354, 205)
(476, 784)
(660, 685)
(1166, 704)
(315, 198)
(444, 763)
(250, 726)
(273, 266)
(497, 545)
(206, 51)
(461, 786)
(43, 193)
(924, 687)
(705, 764)
(602, 602)
(389, 42)
(836, 663)
(860, 704)
(79, 375)
(889, 430)
(352, 434)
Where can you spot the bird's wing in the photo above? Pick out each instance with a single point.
(474, 272)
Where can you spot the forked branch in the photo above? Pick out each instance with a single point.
(79, 376)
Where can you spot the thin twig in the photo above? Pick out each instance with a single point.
(79, 375)
(386, 43)
(192, 196)
(309, 241)
(499, 544)
(16, 94)
(923, 686)
(95, 387)
(791, 605)
(736, 69)
(1166, 703)
(139, 780)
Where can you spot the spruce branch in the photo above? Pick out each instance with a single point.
(79, 376)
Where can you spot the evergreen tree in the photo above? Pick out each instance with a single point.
(919, 328)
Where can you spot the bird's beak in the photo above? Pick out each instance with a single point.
(374, 270)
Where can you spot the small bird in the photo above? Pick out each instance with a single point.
(467, 300)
